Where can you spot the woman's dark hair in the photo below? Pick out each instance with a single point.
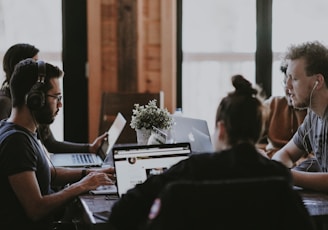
(242, 112)
(15, 54)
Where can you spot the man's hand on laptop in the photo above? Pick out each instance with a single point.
(98, 143)
(109, 171)
(97, 177)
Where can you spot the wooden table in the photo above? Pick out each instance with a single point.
(317, 205)
(93, 206)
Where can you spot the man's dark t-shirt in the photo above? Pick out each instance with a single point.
(20, 151)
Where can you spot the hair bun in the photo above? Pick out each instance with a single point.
(242, 85)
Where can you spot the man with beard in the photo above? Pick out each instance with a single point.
(26, 177)
(12, 56)
(281, 124)
(307, 80)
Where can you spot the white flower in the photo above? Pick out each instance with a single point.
(147, 116)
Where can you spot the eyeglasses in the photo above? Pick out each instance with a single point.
(58, 97)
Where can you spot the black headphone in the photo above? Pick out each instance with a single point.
(35, 98)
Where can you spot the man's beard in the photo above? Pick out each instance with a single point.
(303, 105)
(45, 115)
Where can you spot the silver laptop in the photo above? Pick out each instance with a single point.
(91, 159)
(192, 130)
(134, 164)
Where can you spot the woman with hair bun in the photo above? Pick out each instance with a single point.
(239, 122)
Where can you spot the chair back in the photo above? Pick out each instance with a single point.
(258, 203)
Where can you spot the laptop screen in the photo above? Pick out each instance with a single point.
(134, 164)
(90, 159)
(115, 131)
(192, 130)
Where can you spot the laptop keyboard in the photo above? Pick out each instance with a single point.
(105, 189)
(82, 159)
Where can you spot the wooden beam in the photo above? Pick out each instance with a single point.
(168, 52)
(127, 46)
(94, 65)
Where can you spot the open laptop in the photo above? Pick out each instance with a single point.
(91, 159)
(192, 130)
(134, 164)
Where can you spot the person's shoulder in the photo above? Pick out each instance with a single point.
(202, 158)
(205, 155)
(275, 100)
(4, 126)
(276, 103)
(10, 129)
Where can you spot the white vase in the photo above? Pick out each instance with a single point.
(143, 136)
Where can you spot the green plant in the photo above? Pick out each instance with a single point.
(147, 116)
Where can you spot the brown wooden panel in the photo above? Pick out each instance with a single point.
(94, 59)
(127, 46)
(131, 48)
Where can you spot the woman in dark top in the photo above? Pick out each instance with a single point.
(239, 122)
(13, 55)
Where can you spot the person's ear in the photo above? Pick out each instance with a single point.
(219, 138)
(319, 82)
(221, 130)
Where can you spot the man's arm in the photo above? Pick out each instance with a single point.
(289, 154)
(36, 206)
(66, 175)
(311, 180)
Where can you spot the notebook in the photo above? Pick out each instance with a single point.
(91, 159)
(192, 130)
(134, 164)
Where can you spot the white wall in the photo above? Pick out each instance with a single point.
(38, 22)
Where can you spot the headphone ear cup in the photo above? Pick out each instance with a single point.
(35, 99)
